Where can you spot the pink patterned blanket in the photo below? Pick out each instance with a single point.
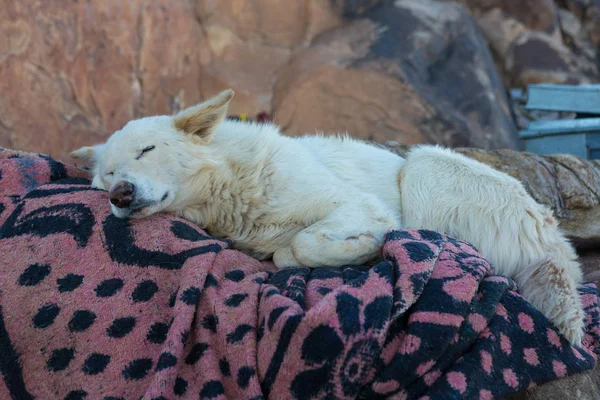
(94, 307)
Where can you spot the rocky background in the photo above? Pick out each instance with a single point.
(408, 71)
(412, 71)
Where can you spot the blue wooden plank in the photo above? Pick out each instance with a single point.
(569, 98)
(571, 144)
(560, 127)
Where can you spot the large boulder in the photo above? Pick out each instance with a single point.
(539, 15)
(559, 53)
(418, 71)
(250, 41)
(583, 386)
(588, 11)
(536, 57)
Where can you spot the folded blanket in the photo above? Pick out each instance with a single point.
(95, 307)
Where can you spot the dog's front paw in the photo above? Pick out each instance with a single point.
(284, 258)
(571, 325)
(553, 290)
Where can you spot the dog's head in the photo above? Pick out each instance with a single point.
(144, 165)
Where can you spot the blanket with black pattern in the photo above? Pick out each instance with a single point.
(94, 307)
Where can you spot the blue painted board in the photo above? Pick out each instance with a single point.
(584, 99)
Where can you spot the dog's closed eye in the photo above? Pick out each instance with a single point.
(145, 150)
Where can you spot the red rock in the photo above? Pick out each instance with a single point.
(535, 57)
(72, 75)
(409, 71)
(538, 15)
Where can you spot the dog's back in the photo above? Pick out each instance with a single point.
(366, 167)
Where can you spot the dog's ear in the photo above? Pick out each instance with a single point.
(202, 120)
(87, 154)
(90, 155)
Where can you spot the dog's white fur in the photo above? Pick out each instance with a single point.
(328, 201)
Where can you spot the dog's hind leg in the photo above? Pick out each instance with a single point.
(352, 234)
(444, 191)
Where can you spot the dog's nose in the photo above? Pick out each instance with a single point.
(121, 195)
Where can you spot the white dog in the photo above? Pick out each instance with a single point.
(328, 201)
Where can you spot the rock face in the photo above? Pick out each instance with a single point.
(588, 11)
(537, 15)
(249, 42)
(565, 183)
(72, 74)
(536, 41)
(405, 70)
(419, 71)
